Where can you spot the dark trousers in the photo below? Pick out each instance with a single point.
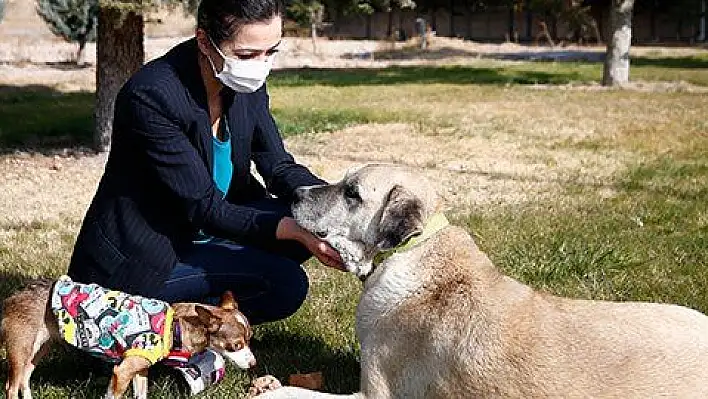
(267, 281)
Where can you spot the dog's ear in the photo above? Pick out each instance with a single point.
(228, 302)
(207, 317)
(401, 218)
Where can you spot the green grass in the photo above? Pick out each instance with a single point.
(645, 240)
(494, 74)
(41, 117)
(293, 121)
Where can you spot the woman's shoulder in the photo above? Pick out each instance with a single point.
(164, 83)
(167, 73)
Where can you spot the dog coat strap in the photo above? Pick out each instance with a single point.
(178, 355)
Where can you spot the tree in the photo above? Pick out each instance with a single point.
(616, 68)
(2, 9)
(119, 54)
(72, 20)
(308, 13)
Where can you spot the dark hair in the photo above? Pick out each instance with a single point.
(221, 19)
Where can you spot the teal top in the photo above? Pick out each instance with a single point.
(223, 169)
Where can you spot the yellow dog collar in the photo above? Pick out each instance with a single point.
(435, 223)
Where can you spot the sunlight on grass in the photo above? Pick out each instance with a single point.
(640, 233)
(645, 243)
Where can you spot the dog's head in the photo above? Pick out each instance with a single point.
(371, 210)
(228, 331)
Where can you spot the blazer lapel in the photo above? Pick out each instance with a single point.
(240, 139)
(187, 65)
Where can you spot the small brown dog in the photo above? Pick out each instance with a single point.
(132, 331)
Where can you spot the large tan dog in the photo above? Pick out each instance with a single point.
(436, 319)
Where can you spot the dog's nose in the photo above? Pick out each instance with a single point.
(252, 363)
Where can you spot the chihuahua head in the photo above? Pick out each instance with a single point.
(227, 331)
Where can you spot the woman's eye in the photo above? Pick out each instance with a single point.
(272, 51)
(246, 56)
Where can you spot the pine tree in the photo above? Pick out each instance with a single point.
(73, 20)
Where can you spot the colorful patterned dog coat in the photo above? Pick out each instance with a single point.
(112, 324)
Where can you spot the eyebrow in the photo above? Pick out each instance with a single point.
(257, 49)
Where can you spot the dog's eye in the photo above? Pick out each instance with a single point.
(352, 192)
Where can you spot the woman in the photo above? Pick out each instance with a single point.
(177, 215)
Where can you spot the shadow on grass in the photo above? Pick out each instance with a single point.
(282, 353)
(63, 366)
(411, 53)
(68, 65)
(532, 54)
(41, 118)
(279, 352)
(672, 62)
(11, 282)
(340, 77)
(442, 53)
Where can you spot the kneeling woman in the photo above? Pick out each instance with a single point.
(177, 215)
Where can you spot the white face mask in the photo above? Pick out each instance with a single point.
(242, 76)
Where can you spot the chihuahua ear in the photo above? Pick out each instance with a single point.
(208, 319)
(228, 302)
(401, 218)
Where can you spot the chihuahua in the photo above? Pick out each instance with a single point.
(132, 331)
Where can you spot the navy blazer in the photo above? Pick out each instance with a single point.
(157, 189)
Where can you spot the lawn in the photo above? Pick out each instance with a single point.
(580, 192)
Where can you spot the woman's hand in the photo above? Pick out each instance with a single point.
(288, 229)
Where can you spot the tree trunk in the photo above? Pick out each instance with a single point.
(529, 20)
(616, 70)
(313, 34)
(119, 53)
(652, 21)
(598, 12)
(702, 22)
(452, 19)
(80, 53)
(512, 25)
(314, 22)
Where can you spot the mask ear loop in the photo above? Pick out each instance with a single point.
(223, 57)
(218, 50)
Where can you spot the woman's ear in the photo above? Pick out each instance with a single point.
(202, 41)
(402, 217)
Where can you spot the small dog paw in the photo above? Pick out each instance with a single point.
(263, 384)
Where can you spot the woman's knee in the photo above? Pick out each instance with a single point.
(285, 295)
(292, 290)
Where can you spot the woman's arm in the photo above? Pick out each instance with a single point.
(151, 122)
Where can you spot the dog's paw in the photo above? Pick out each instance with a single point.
(263, 384)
